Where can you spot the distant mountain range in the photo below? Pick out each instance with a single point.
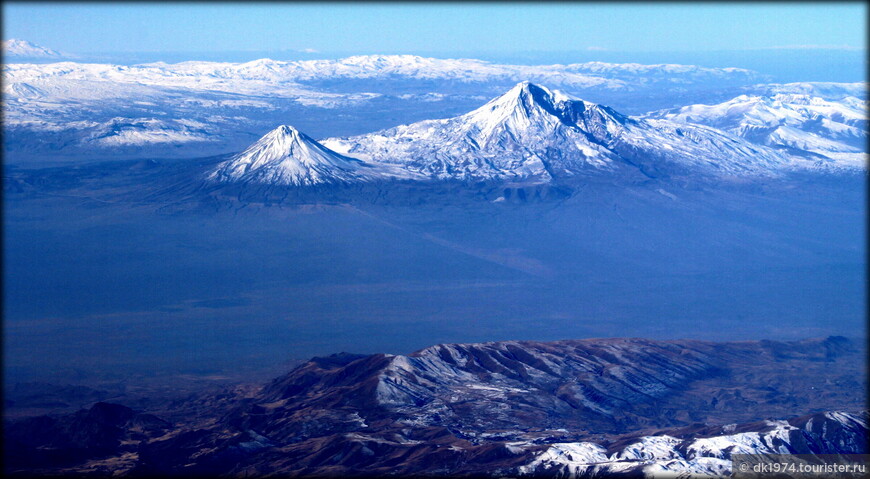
(56, 110)
(534, 135)
(21, 49)
(234, 75)
(514, 408)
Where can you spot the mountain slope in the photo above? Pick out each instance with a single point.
(531, 133)
(588, 386)
(24, 49)
(285, 156)
(798, 123)
(496, 409)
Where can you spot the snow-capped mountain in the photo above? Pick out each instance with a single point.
(533, 134)
(513, 137)
(797, 123)
(25, 49)
(284, 156)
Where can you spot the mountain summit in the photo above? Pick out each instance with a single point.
(529, 108)
(285, 156)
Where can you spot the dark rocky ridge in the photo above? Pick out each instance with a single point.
(479, 409)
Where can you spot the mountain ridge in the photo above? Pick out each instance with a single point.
(517, 408)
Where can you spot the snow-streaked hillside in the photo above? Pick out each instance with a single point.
(573, 408)
(792, 122)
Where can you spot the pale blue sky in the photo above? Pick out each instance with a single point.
(421, 27)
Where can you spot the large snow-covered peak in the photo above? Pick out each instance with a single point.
(286, 156)
(528, 105)
(526, 95)
(533, 134)
(526, 134)
(520, 108)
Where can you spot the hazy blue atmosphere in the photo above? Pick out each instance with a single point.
(332, 239)
(806, 42)
(413, 27)
(112, 271)
(162, 294)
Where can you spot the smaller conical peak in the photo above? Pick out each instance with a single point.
(285, 137)
(283, 141)
(287, 156)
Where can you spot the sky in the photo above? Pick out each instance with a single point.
(424, 27)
